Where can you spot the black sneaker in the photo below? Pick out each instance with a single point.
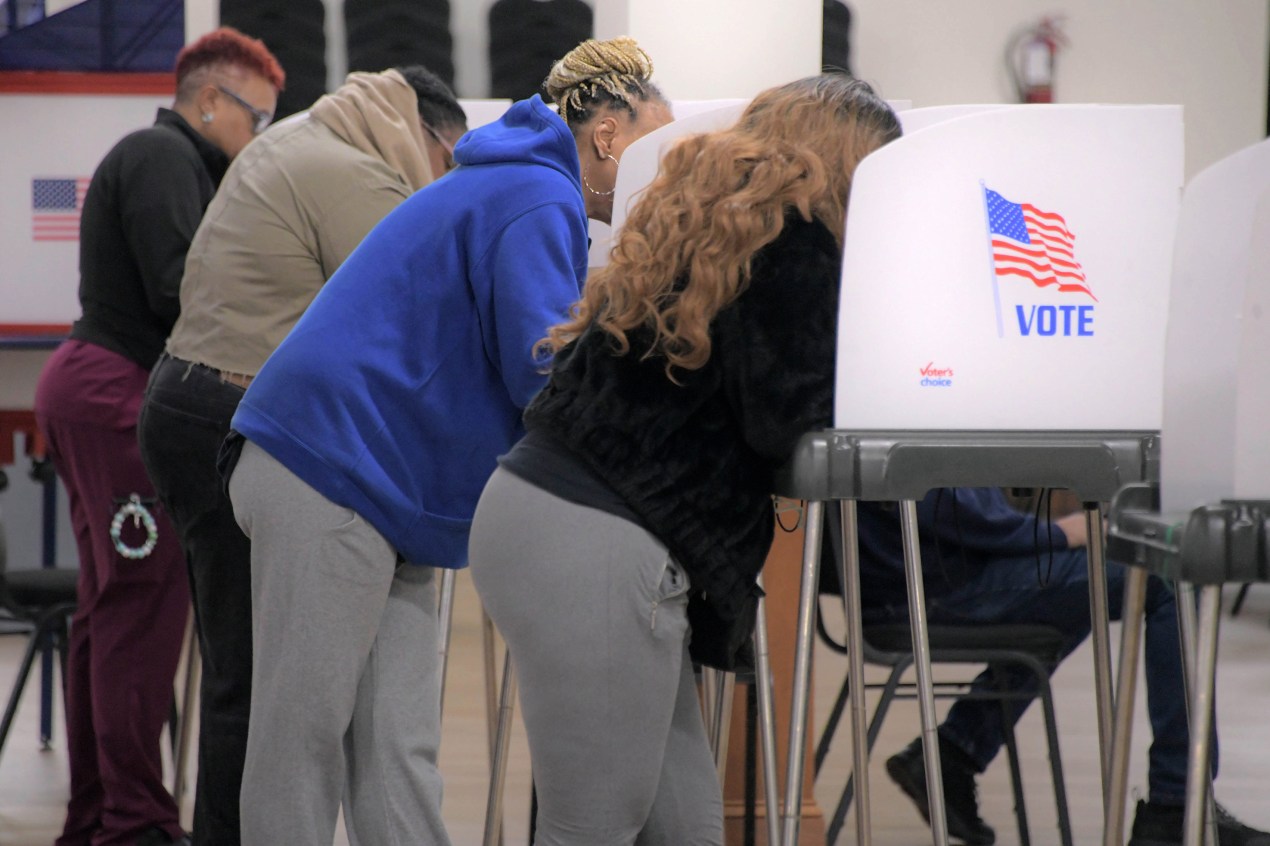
(1161, 825)
(961, 801)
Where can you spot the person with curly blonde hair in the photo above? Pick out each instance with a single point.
(625, 532)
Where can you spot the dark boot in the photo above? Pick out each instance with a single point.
(1161, 825)
(961, 801)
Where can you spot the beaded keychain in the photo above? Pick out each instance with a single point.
(140, 515)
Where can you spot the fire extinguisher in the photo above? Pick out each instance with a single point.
(1031, 58)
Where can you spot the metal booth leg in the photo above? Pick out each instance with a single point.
(725, 688)
(813, 526)
(1101, 638)
(707, 690)
(1199, 773)
(498, 769)
(489, 644)
(489, 656)
(849, 574)
(189, 704)
(1117, 785)
(921, 663)
(445, 622)
(766, 722)
(1187, 630)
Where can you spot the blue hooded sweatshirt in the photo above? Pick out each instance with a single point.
(404, 380)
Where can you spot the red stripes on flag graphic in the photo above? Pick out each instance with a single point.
(56, 204)
(1050, 257)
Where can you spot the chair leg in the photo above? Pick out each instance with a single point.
(1056, 760)
(1239, 599)
(831, 725)
(47, 645)
(24, 670)
(1016, 772)
(63, 648)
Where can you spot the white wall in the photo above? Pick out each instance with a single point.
(469, 24)
(712, 49)
(1210, 56)
(201, 17)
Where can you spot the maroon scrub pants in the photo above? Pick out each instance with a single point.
(125, 638)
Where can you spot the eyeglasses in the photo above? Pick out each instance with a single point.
(260, 119)
(449, 148)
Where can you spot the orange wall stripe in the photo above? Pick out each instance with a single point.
(84, 82)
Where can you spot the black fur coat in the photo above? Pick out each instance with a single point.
(695, 460)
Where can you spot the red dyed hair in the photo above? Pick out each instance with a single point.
(228, 46)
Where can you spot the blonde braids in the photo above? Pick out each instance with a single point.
(618, 68)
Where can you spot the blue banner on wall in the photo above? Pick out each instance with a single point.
(100, 35)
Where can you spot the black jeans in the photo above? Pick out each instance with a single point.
(184, 418)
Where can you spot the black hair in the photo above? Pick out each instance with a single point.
(437, 106)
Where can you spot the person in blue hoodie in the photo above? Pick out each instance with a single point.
(370, 432)
(984, 562)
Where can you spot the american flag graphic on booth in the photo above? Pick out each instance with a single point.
(1034, 245)
(56, 203)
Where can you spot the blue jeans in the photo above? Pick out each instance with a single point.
(1009, 592)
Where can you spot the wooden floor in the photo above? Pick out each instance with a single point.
(33, 783)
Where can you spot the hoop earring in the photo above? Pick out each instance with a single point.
(608, 193)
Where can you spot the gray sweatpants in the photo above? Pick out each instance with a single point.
(345, 695)
(594, 611)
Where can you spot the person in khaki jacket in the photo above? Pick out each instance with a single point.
(295, 204)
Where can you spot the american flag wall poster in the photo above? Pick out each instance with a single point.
(1035, 245)
(56, 203)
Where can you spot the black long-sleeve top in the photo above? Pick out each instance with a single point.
(695, 461)
(142, 208)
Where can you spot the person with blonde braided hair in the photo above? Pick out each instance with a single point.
(620, 540)
(602, 92)
(364, 441)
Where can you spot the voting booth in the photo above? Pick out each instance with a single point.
(640, 162)
(643, 157)
(1002, 320)
(1209, 521)
(1008, 269)
(1216, 393)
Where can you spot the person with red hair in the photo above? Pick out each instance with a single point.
(142, 208)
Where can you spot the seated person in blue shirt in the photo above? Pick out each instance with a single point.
(986, 562)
